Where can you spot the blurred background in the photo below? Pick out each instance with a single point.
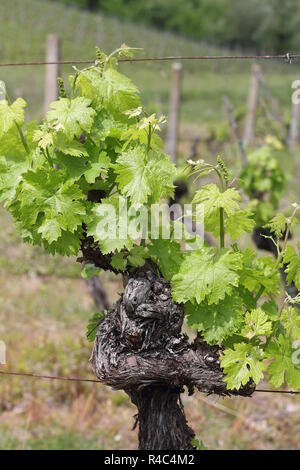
(44, 302)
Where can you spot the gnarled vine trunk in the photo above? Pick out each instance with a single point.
(140, 349)
(161, 418)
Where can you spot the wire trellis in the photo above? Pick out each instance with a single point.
(77, 379)
(286, 57)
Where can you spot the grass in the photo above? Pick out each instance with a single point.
(26, 23)
(44, 303)
(43, 319)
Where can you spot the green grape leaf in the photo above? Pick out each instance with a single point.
(93, 325)
(73, 117)
(239, 223)
(167, 254)
(96, 166)
(109, 89)
(271, 309)
(213, 199)
(119, 262)
(108, 224)
(141, 175)
(282, 368)
(132, 176)
(218, 321)
(291, 322)
(91, 168)
(90, 270)
(206, 274)
(50, 230)
(137, 256)
(73, 147)
(292, 259)
(118, 92)
(11, 114)
(257, 324)
(45, 196)
(242, 363)
(10, 178)
(277, 225)
(68, 244)
(259, 272)
(44, 139)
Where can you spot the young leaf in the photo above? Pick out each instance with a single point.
(44, 197)
(74, 117)
(106, 224)
(10, 178)
(277, 225)
(137, 256)
(257, 324)
(119, 262)
(11, 114)
(218, 321)
(93, 325)
(282, 368)
(291, 322)
(259, 272)
(212, 199)
(141, 175)
(239, 223)
(167, 254)
(242, 363)
(292, 260)
(89, 271)
(206, 274)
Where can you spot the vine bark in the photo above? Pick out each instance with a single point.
(139, 348)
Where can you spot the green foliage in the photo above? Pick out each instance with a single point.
(73, 117)
(88, 168)
(221, 288)
(93, 325)
(237, 221)
(206, 275)
(198, 444)
(98, 138)
(292, 260)
(89, 271)
(145, 174)
(282, 368)
(242, 363)
(263, 180)
(219, 321)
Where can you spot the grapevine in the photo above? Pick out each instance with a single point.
(97, 148)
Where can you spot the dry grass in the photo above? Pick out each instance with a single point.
(44, 308)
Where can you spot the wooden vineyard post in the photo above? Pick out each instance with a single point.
(52, 71)
(294, 125)
(94, 284)
(273, 113)
(235, 128)
(252, 104)
(174, 107)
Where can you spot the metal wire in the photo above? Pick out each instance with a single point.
(52, 377)
(76, 379)
(286, 57)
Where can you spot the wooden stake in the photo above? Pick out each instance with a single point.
(52, 71)
(252, 104)
(294, 126)
(235, 128)
(174, 107)
(273, 113)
